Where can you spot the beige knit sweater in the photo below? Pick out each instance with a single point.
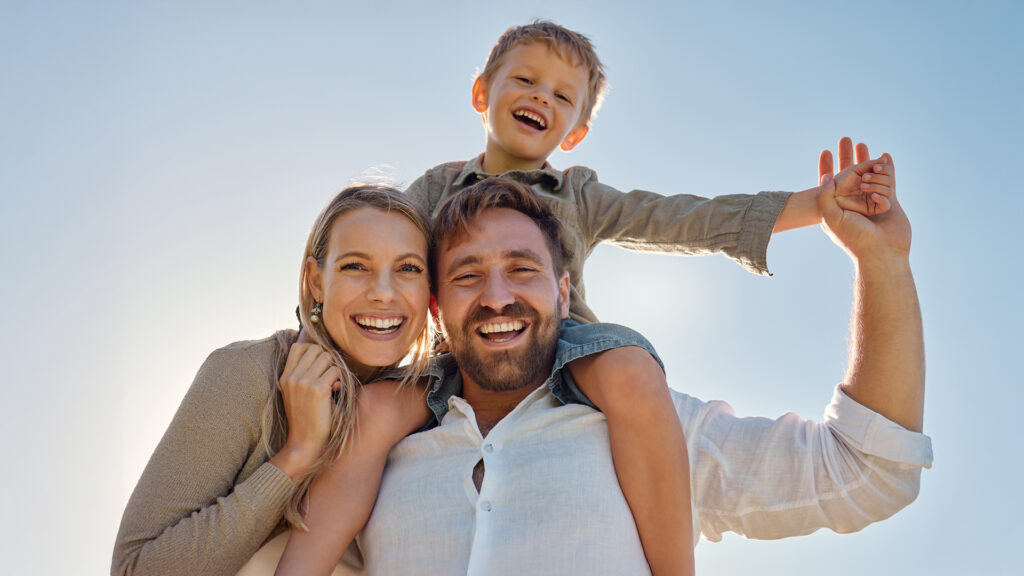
(208, 499)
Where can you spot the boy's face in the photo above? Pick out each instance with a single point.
(531, 106)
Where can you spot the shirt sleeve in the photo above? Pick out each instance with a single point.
(187, 514)
(768, 479)
(738, 225)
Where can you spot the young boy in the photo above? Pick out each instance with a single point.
(537, 92)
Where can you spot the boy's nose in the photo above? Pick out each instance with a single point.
(541, 97)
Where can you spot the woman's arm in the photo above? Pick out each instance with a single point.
(342, 496)
(208, 498)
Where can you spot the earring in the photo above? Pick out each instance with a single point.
(316, 312)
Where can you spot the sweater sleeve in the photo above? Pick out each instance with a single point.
(738, 225)
(190, 513)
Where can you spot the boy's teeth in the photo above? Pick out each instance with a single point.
(531, 116)
(513, 326)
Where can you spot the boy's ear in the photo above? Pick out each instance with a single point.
(480, 95)
(574, 137)
(314, 279)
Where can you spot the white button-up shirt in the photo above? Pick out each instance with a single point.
(550, 502)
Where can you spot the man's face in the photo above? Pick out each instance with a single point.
(501, 302)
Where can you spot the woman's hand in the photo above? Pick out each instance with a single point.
(306, 384)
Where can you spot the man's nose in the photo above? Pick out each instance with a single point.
(382, 289)
(497, 293)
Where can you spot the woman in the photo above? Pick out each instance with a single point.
(256, 426)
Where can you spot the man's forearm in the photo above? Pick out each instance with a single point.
(886, 367)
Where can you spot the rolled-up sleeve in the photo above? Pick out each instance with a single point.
(768, 479)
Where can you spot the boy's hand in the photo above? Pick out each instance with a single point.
(866, 187)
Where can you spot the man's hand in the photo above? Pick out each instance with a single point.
(862, 236)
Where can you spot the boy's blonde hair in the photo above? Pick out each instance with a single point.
(573, 46)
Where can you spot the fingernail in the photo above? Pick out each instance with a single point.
(867, 177)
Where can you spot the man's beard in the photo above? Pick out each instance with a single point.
(502, 371)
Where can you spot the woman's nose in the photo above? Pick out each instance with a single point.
(382, 289)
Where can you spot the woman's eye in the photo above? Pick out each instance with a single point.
(411, 268)
(353, 266)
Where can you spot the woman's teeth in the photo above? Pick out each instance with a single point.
(379, 325)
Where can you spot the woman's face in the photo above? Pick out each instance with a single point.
(373, 286)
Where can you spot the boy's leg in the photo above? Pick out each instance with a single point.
(648, 448)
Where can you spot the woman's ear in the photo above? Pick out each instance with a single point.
(314, 279)
(480, 95)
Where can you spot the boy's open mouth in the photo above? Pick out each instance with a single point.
(530, 119)
(375, 325)
(501, 331)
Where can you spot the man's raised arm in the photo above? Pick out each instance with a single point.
(886, 367)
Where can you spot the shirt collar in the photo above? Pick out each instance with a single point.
(473, 172)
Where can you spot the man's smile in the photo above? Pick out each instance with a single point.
(500, 331)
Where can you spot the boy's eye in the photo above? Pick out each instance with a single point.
(563, 98)
(524, 80)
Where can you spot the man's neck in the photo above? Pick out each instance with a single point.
(491, 406)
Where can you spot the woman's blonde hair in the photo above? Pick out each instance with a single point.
(343, 414)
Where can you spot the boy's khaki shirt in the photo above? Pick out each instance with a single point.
(738, 225)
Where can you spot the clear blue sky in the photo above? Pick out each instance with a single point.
(160, 163)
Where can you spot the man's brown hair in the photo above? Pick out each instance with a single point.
(460, 210)
(573, 46)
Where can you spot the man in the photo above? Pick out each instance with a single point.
(513, 481)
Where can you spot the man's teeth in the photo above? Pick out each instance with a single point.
(531, 116)
(513, 326)
(379, 323)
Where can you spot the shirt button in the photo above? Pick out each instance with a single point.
(488, 447)
(485, 506)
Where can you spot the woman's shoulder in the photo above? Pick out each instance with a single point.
(269, 348)
(247, 365)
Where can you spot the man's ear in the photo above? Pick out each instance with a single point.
(314, 279)
(575, 137)
(563, 292)
(480, 95)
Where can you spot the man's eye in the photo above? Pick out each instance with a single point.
(467, 277)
